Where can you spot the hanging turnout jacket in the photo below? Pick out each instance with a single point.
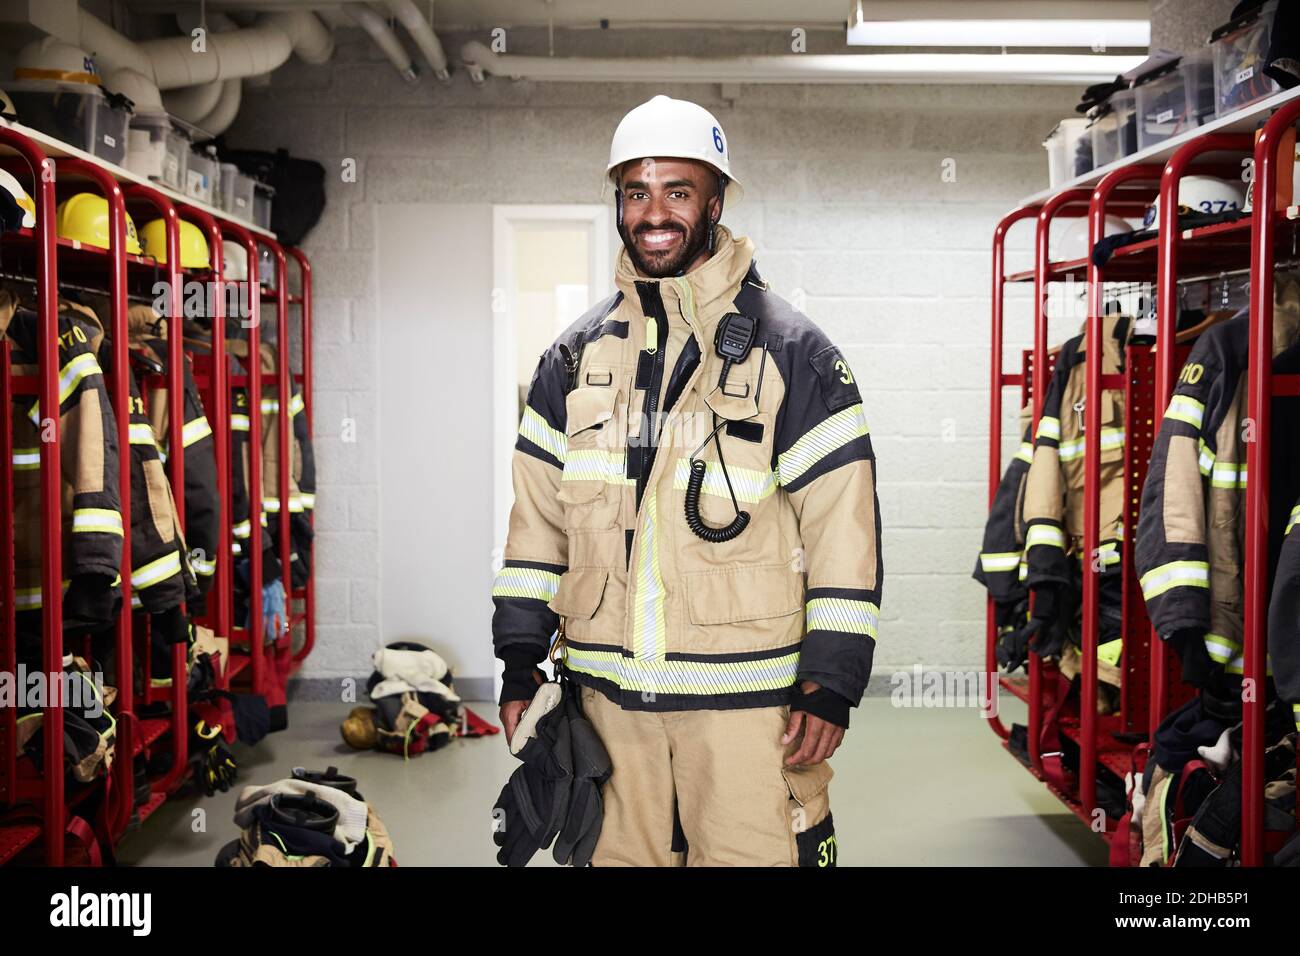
(89, 463)
(1001, 566)
(655, 617)
(1191, 535)
(202, 495)
(1284, 617)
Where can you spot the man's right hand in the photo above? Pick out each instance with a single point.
(512, 710)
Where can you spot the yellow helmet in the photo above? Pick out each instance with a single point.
(9, 183)
(194, 248)
(84, 217)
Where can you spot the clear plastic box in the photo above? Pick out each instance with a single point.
(262, 197)
(1114, 129)
(1174, 99)
(79, 114)
(236, 192)
(158, 150)
(1240, 51)
(201, 174)
(1063, 154)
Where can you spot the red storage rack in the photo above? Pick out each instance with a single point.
(33, 805)
(1151, 683)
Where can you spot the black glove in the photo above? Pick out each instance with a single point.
(519, 681)
(535, 800)
(214, 765)
(591, 768)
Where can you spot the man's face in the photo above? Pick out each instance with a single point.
(668, 208)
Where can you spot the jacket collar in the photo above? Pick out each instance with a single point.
(710, 284)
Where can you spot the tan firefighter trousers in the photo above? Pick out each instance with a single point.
(723, 773)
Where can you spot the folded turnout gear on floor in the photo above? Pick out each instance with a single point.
(310, 819)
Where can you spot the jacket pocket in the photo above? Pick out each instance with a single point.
(743, 594)
(593, 461)
(161, 509)
(579, 594)
(1112, 427)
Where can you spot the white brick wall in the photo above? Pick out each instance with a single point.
(845, 202)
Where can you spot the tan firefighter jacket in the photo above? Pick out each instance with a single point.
(655, 617)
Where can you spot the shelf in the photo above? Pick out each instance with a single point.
(1242, 121)
(149, 730)
(146, 809)
(57, 148)
(1137, 262)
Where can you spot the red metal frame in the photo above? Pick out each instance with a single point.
(1259, 409)
(1148, 382)
(308, 593)
(133, 735)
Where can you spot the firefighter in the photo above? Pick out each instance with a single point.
(695, 516)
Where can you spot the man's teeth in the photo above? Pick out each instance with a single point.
(660, 238)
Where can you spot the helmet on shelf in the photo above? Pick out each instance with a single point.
(194, 247)
(1203, 194)
(1071, 242)
(25, 202)
(50, 58)
(84, 218)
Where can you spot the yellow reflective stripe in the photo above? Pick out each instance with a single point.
(536, 429)
(750, 484)
(27, 459)
(27, 599)
(1108, 553)
(1228, 476)
(1026, 452)
(240, 423)
(243, 529)
(270, 406)
(1295, 519)
(139, 433)
(1111, 438)
(1044, 534)
(202, 566)
(846, 615)
(684, 677)
(595, 464)
(1295, 709)
(308, 500)
(1109, 653)
(1024, 569)
(1048, 427)
(1206, 459)
(296, 404)
(822, 439)
(526, 583)
(648, 627)
(70, 376)
(1185, 409)
(993, 561)
(195, 430)
(1221, 649)
(155, 571)
(1175, 574)
(103, 520)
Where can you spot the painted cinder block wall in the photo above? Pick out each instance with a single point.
(873, 206)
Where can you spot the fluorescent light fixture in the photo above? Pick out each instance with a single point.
(1094, 34)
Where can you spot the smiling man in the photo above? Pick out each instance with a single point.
(695, 513)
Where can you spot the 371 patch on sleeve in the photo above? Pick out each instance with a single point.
(839, 387)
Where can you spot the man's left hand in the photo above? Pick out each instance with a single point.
(821, 738)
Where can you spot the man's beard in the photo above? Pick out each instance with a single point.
(667, 264)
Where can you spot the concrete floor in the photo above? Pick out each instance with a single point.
(912, 787)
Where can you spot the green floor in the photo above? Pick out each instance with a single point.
(913, 787)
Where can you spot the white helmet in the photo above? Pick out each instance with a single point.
(1072, 242)
(14, 188)
(234, 260)
(1204, 194)
(674, 128)
(51, 59)
(7, 109)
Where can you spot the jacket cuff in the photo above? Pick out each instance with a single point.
(518, 682)
(823, 703)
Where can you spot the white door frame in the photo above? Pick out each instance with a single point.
(507, 220)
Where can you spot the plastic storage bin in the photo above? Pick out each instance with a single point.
(76, 113)
(1240, 51)
(158, 150)
(262, 197)
(1174, 99)
(1114, 129)
(1065, 157)
(236, 192)
(201, 176)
